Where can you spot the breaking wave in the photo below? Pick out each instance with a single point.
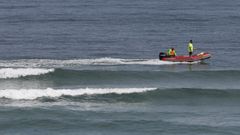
(22, 72)
(123, 94)
(30, 94)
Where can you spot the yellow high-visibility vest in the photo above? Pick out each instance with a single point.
(171, 52)
(190, 47)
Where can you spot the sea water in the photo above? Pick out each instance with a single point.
(91, 67)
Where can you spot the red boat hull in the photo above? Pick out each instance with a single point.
(197, 57)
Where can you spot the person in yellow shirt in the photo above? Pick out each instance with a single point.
(171, 52)
(190, 48)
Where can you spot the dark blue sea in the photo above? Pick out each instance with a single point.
(91, 67)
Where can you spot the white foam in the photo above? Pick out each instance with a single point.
(75, 62)
(49, 92)
(21, 72)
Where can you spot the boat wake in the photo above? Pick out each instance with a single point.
(75, 62)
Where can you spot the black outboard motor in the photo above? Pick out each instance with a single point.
(162, 55)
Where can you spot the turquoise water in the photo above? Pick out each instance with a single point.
(91, 67)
